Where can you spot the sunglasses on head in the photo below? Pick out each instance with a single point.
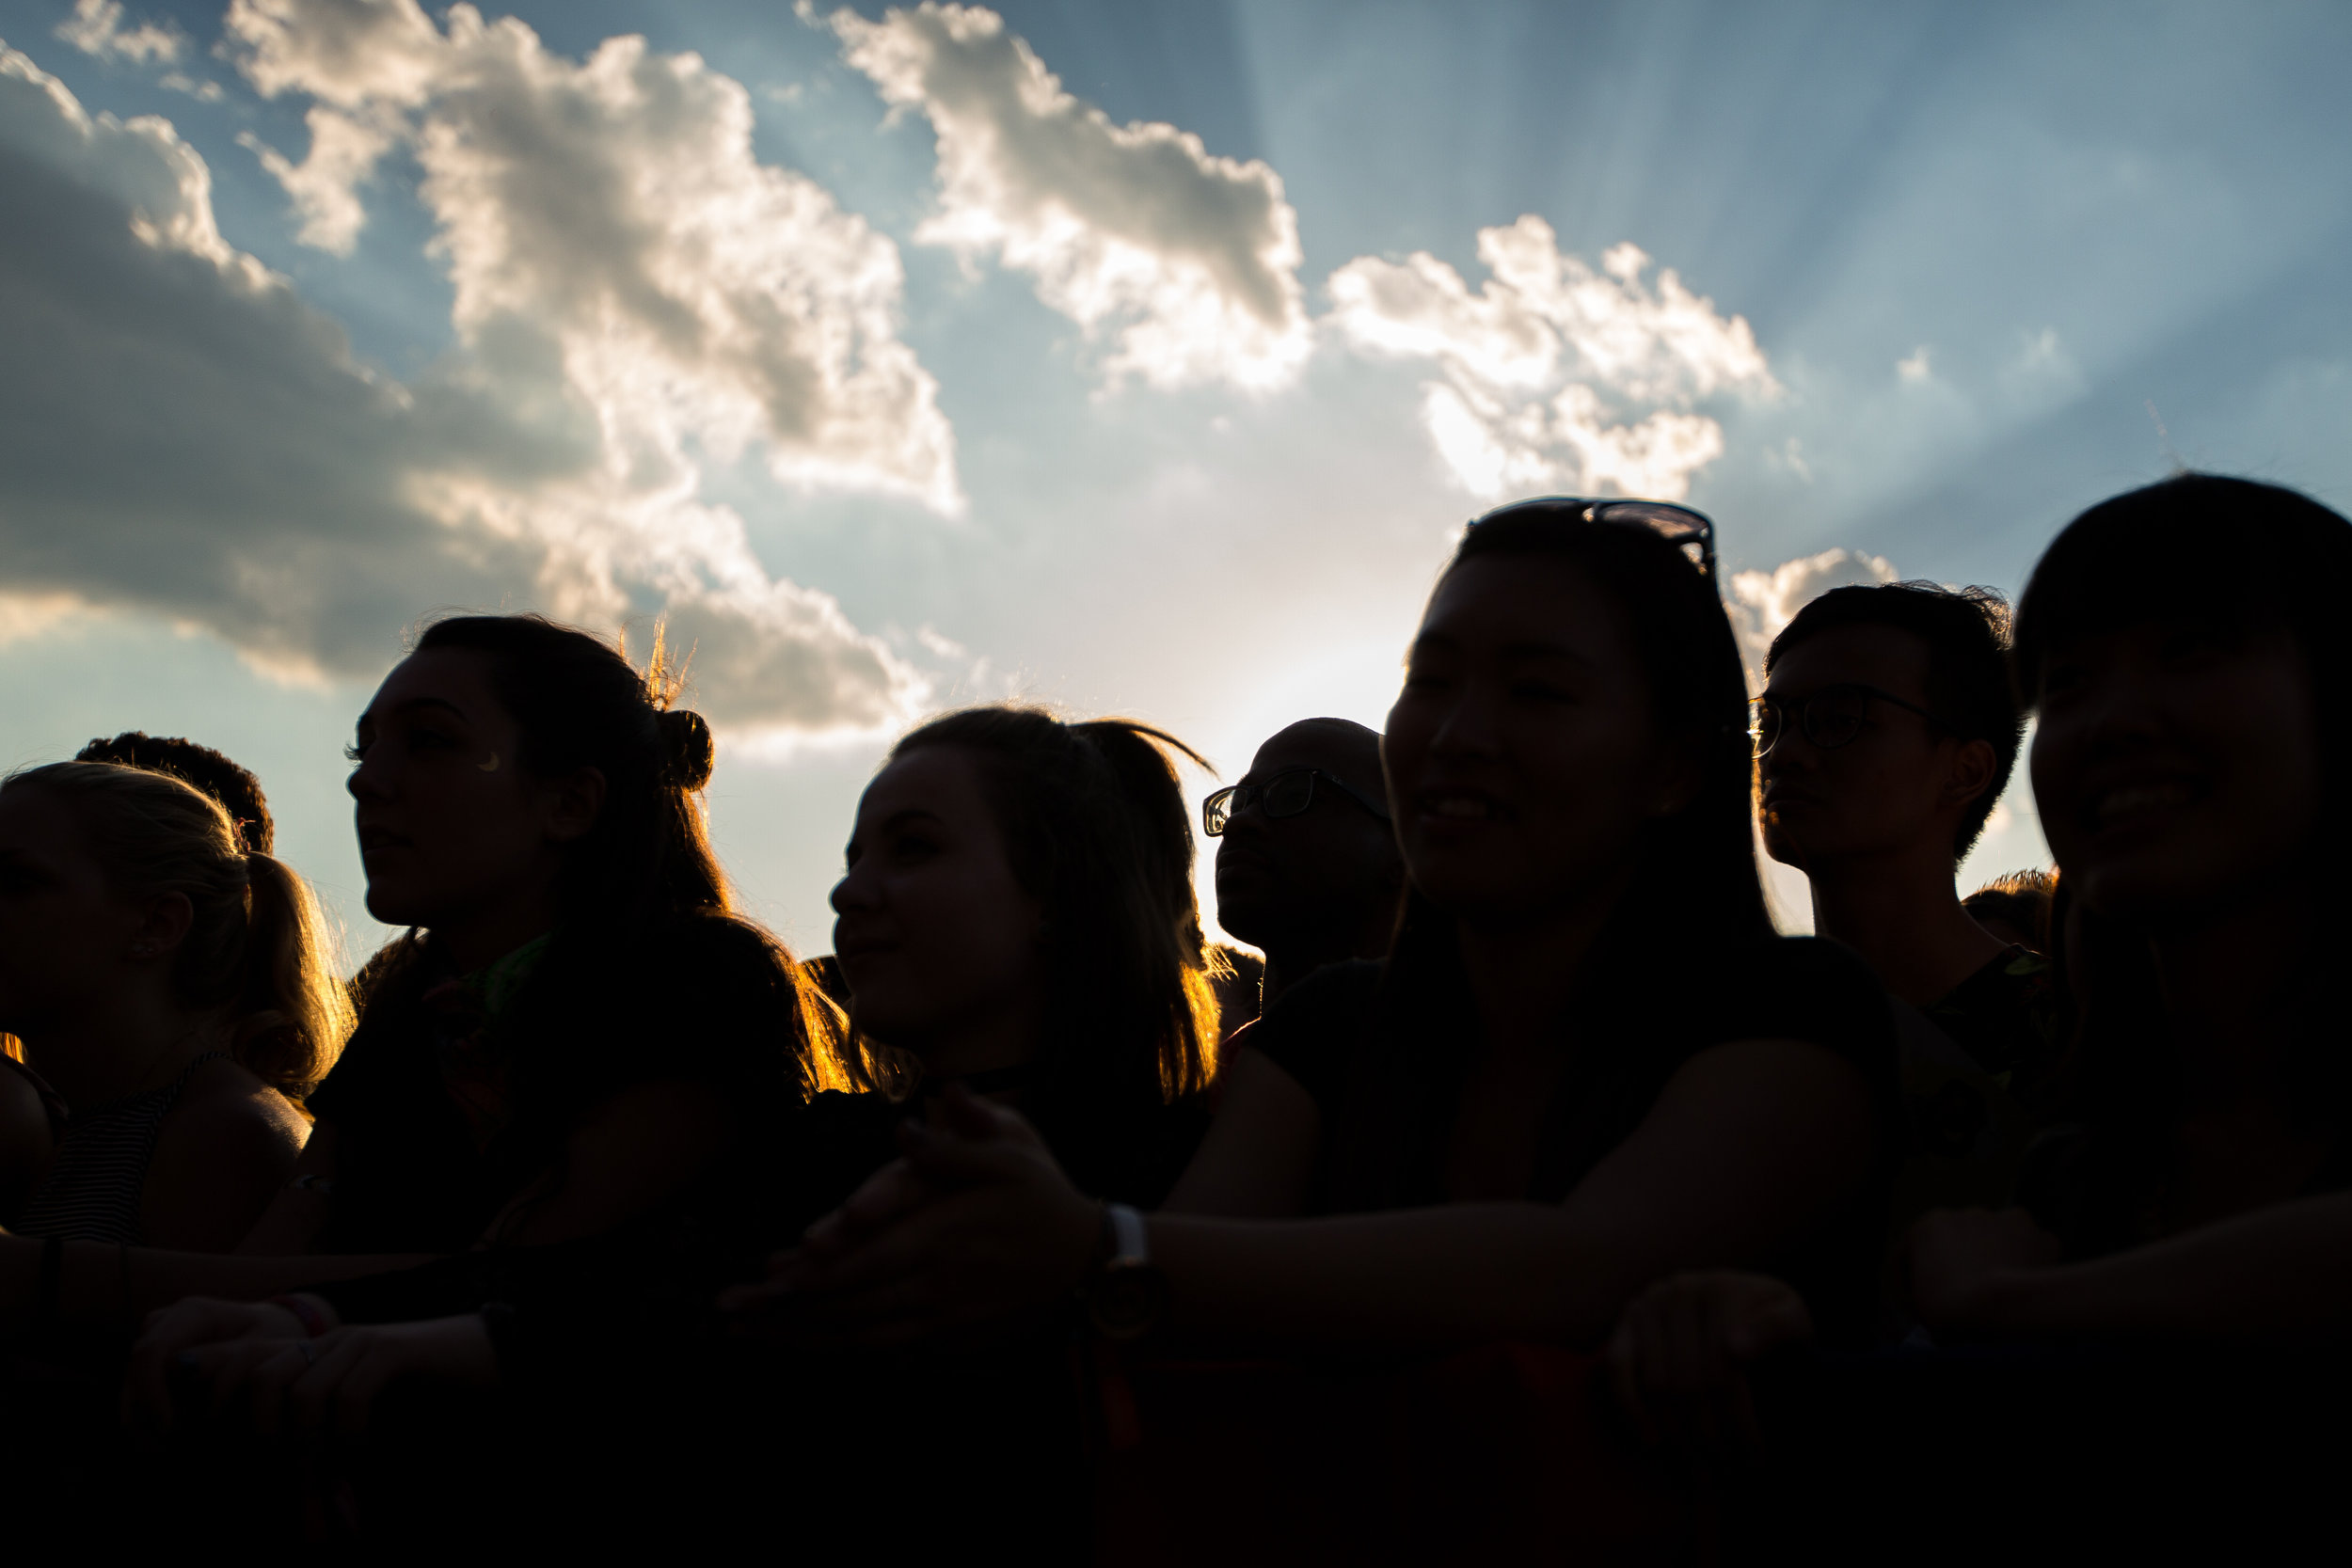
(1692, 532)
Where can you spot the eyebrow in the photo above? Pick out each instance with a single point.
(411, 704)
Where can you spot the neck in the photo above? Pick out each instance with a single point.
(1901, 913)
(1287, 963)
(2225, 981)
(1523, 975)
(1007, 1039)
(136, 1038)
(488, 936)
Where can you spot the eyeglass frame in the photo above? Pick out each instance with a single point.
(1378, 808)
(1805, 723)
(1589, 509)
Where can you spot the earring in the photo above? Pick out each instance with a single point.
(489, 767)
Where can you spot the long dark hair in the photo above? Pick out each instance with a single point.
(1097, 832)
(2264, 559)
(640, 895)
(1695, 892)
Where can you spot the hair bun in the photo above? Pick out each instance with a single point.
(686, 750)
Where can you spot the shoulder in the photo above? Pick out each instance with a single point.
(1804, 988)
(226, 1108)
(1314, 1028)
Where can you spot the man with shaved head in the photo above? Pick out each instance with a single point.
(1306, 864)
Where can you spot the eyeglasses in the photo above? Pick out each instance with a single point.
(1692, 532)
(1284, 794)
(1831, 718)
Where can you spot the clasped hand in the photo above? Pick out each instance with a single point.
(973, 1228)
(231, 1358)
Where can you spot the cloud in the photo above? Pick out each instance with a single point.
(1762, 603)
(1189, 261)
(96, 28)
(1556, 374)
(1915, 368)
(200, 444)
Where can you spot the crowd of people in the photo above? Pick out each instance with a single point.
(1531, 1195)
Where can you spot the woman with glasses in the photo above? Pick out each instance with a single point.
(1588, 1062)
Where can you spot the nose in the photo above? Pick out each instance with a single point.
(364, 783)
(853, 894)
(1470, 726)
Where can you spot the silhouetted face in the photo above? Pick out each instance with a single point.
(64, 935)
(1322, 873)
(2174, 768)
(1881, 791)
(935, 934)
(450, 825)
(1522, 755)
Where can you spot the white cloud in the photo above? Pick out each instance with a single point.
(200, 444)
(2042, 373)
(1556, 374)
(96, 28)
(1915, 368)
(344, 153)
(202, 91)
(1762, 603)
(1189, 260)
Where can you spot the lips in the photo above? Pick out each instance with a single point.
(1458, 806)
(373, 838)
(849, 945)
(2126, 801)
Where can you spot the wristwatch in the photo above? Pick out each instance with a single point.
(1125, 1297)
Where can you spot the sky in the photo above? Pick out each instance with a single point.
(1139, 358)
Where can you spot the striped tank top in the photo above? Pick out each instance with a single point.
(94, 1184)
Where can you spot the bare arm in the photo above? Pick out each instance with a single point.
(2281, 1273)
(1747, 1145)
(221, 1158)
(295, 1218)
(1259, 1153)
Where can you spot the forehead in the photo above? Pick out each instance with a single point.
(453, 675)
(1886, 657)
(36, 821)
(1532, 603)
(1346, 752)
(943, 781)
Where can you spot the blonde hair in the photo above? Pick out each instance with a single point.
(257, 944)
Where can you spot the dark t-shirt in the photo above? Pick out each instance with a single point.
(1388, 1101)
(701, 999)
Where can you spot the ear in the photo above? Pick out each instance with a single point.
(162, 926)
(572, 805)
(1971, 771)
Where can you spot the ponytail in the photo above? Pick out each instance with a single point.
(255, 947)
(293, 1014)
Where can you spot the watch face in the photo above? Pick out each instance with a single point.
(1127, 1299)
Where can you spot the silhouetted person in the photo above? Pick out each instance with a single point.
(235, 787)
(1306, 864)
(2015, 909)
(175, 991)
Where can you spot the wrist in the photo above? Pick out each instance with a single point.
(314, 1314)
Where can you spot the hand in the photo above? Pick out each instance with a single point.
(326, 1387)
(174, 1331)
(1679, 1357)
(974, 1226)
(1963, 1260)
